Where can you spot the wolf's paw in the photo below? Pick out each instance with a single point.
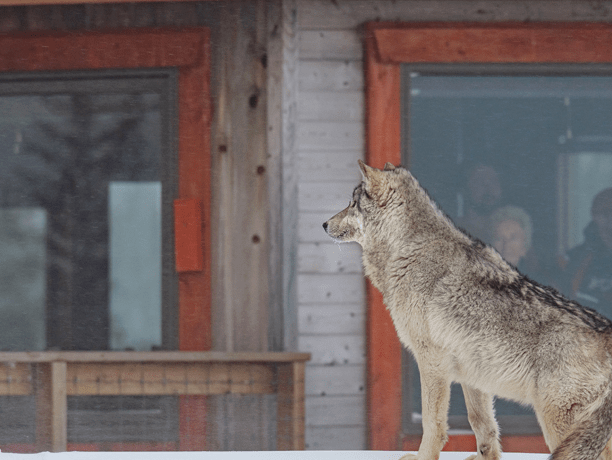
(482, 457)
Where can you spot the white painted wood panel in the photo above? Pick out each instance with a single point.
(322, 15)
(310, 228)
(331, 166)
(326, 136)
(331, 319)
(335, 380)
(336, 410)
(317, 75)
(331, 106)
(337, 438)
(333, 350)
(329, 258)
(323, 288)
(325, 196)
(343, 45)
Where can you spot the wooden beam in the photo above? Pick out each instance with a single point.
(148, 356)
(128, 48)
(282, 175)
(384, 359)
(575, 42)
(194, 168)
(290, 407)
(51, 406)
(73, 2)
(170, 378)
(241, 189)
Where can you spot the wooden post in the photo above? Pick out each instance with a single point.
(51, 406)
(290, 411)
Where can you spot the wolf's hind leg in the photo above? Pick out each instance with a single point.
(482, 419)
(607, 452)
(589, 437)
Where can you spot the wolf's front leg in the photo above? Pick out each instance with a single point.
(482, 419)
(435, 397)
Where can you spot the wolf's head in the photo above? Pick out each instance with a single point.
(381, 192)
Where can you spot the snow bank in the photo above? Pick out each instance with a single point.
(294, 455)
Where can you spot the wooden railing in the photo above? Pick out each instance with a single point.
(53, 376)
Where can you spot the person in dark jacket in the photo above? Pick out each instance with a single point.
(588, 273)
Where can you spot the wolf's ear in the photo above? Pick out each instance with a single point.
(366, 171)
(375, 181)
(389, 167)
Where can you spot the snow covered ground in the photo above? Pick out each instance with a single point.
(294, 455)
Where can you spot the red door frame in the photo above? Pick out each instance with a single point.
(187, 49)
(388, 45)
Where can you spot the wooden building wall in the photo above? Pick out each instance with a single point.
(253, 107)
(287, 82)
(248, 42)
(330, 140)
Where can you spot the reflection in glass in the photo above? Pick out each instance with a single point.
(135, 265)
(582, 175)
(22, 278)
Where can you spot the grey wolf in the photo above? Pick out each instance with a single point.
(469, 316)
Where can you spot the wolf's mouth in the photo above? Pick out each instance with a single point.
(339, 238)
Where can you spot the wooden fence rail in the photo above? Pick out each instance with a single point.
(53, 376)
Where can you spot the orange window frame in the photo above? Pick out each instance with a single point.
(186, 49)
(387, 45)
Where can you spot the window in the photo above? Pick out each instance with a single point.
(88, 177)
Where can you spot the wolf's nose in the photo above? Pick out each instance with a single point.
(325, 226)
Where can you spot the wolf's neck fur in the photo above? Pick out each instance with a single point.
(426, 218)
(416, 226)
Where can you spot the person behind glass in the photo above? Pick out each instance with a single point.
(512, 230)
(483, 195)
(588, 272)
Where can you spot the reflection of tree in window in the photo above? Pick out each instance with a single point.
(68, 157)
(22, 278)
